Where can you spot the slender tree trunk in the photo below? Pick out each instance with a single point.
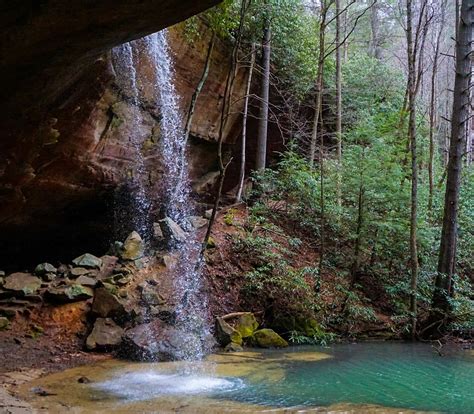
(244, 126)
(265, 97)
(338, 103)
(459, 122)
(360, 223)
(199, 87)
(414, 167)
(319, 82)
(322, 203)
(375, 50)
(433, 92)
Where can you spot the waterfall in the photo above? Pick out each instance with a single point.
(191, 304)
(191, 308)
(126, 74)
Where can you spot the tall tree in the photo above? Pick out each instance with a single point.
(459, 122)
(411, 55)
(265, 94)
(338, 100)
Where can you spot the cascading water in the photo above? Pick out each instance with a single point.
(126, 74)
(191, 304)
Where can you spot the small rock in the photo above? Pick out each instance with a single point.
(197, 222)
(106, 304)
(225, 334)
(157, 232)
(86, 281)
(268, 338)
(83, 380)
(2, 273)
(78, 271)
(105, 335)
(4, 323)
(172, 231)
(44, 268)
(109, 264)
(150, 296)
(62, 269)
(24, 283)
(208, 214)
(2, 281)
(133, 247)
(49, 277)
(169, 260)
(233, 347)
(69, 293)
(88, 260)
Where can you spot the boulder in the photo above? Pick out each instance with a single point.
(158, 341)
(69, 293)
(172, 231)
(197, 222)
(78, 271)
(133, 247)
(4, 323)
(233, 347)
(106, 304)
(44, 268)
(268, 338)
(23, 283)
(105, 335)
(225, 334)
(86, 281)
(246, 324)
(88, 260)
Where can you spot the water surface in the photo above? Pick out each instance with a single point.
(357, 378)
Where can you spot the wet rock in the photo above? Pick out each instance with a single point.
(268, 338)
(105, 335)
(150, 295)
(44, 268)
(78, 271)
(69, 293)
(172, 231)
(197, 222)
(246, 324)
(208, 214)
(23, 283)
(158, 341)
(107, 305)
(225, 334)
(233, 347)
(86, 281)
(88, 260)
(4, 323)
(83, 380)
(133, 247)
(169, 260)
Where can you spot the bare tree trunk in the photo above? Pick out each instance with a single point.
(459, 122)
(244, 126)
(434, 74)
(265, 97)
(199, 87)
(375, 50)
(322, 203)
(319, 81)
(338, 103)
(411, 53)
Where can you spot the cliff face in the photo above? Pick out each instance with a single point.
(61, 167)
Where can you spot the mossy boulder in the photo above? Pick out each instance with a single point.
(246, 325)
(268, 338)
(133, 247)
(69, 293)
(288, 323)
(4, 323)
(226, 334)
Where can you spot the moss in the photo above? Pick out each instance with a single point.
(246, 325)
(268, 338)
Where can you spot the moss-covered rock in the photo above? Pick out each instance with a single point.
(246, 325)
(226, 334)
(88, 260)
(268, 338)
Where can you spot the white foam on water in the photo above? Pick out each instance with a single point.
(146, 385)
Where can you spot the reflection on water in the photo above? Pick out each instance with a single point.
(364, 378)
